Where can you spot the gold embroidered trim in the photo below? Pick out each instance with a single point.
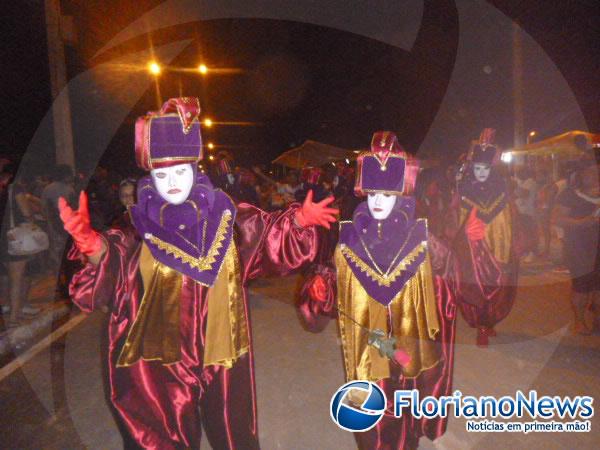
(204, 262)
(484, 209)
(384, 279)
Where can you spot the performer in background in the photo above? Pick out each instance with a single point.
(484, 242)
(180, 342)
(391, 286)
(311, 179)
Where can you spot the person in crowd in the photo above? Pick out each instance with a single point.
(224, 176)
(525, 201)
(433, 202)
(311, 179)
(180, 348)
(284, 193)
(102, 198)
(391, 285)
(484, 242)
(61, 186)
(17, 212)
(122, 218)
(577, 212)
(245, 187)
(544, 204)
(265, 192)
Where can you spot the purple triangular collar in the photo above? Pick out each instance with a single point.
(384, 283)
(201, 260)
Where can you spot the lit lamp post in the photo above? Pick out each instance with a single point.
(154, 68)
(531, 135)
(203, 69)
(208, 123)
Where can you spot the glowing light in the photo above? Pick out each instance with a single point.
(506, 157)
(347, 161)
(532, 133)
(211, 157)
(211, 145)
(202, 69)
(208, 123)
(154, 68)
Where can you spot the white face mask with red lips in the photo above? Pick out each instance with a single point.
(481, 171)
(381, 205)
(174, 183)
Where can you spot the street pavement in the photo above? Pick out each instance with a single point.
(57, 400)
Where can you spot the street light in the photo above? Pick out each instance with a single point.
(506, 157)
(211, 157)
(211, 145)
(154, 68)
(208, 123)
(531, 135)
(202, 69)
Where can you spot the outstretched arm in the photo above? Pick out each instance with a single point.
(103, 279)
(280, 242)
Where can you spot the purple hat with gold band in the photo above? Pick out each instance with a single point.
(170, 136)
(485, 151)
(386, 168)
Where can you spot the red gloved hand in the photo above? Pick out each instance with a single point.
(77, 224)
(318, 289)
(316, 213)
(474, 228)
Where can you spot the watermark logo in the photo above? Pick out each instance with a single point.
(357, 406)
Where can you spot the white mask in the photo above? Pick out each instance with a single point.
(174, 183)
(481, 172)
(381, 205)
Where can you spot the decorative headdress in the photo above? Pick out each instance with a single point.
(311, 175)
(386, 168)
(485, 151)
(223, 167)
(170, 136)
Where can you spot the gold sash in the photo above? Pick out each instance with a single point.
(155, 334)
(414, 323)
(498, 234)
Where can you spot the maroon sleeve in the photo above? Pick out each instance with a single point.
(437, 381)
(271, 244)
(99, 286)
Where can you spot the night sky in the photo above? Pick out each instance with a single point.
(300, 81)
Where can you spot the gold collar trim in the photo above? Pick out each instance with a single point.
(485, 209)
(203, 262)
(384, 279)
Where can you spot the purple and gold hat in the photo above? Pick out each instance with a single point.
(170, 136)
(387, 168)
(484, 151)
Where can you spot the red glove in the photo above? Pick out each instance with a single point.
(474, 228)
(316, 213)
(77, 224)
(318, 289)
